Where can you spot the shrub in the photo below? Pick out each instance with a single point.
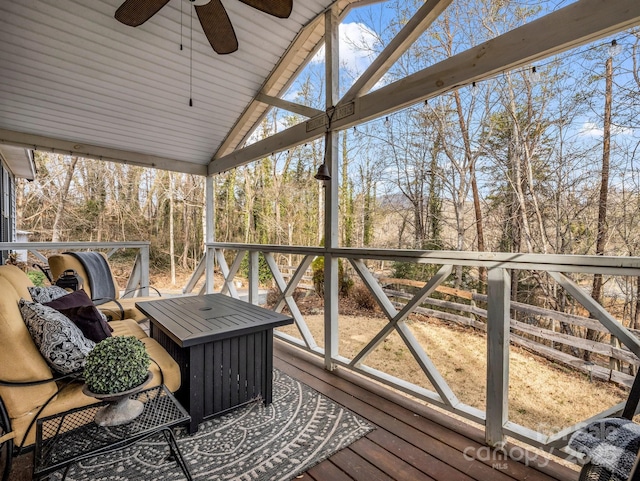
(344, 282)
(414, 271)
(264, 272)
(362, 296)
(116, 364)
(37, 278)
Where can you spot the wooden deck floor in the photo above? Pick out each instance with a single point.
(411, 441)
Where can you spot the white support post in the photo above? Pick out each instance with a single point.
(253, 276)
(133, 284)
(210, 236)
(498, 317)
(331, 193)
(144, 270)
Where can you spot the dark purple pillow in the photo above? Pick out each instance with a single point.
(79, 308)
(73, 299)
(89, 321)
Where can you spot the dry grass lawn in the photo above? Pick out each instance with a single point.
(542, 395)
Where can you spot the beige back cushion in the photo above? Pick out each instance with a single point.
(20, 359)
(18, 279)
(58, 263)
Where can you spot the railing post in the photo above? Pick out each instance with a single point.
(331, 23)
(498, 317)
(144, 270)
(210, 233)
(253, 276)
(208, 271)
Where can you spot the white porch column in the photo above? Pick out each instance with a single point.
(331, 192)
(498, 334)
(210, 229)
(254, 274)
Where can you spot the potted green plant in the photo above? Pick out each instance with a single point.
(116, 368)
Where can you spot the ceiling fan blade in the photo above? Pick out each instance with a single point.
(136, 12)
(217, 27)
(277, 8)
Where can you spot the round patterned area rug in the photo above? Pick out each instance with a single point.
(256, 442)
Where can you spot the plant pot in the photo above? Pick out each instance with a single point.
(120, 409)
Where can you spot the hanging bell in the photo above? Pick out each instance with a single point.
(323, 173)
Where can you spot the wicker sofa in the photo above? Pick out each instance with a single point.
(21, 362)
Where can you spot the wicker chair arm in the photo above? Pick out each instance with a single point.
(124, 294)
(73, 376)
(103, 300)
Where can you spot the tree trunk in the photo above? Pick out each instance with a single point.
(596, 291)
(471, 162)
(62, 197)
(172, 246)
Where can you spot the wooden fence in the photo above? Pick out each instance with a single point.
(549, 343)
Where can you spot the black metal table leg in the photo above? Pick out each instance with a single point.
(175, 451)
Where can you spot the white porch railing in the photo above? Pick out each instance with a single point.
(138, 280)
(495, 416)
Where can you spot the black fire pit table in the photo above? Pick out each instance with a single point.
(224, 347)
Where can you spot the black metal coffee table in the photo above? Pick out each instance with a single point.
(224, 347)
(67, 438)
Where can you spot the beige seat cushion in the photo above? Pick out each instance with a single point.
(20, 359)
(128, 305)
(170, 368)
(127, 327)
(18, 279)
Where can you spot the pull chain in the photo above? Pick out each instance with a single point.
(191, 62)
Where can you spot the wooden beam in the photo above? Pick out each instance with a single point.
(420, 21)
(290, 106)
(581, 22)
(276, 143)
(312, 33)
(96, 152)
(240, 129)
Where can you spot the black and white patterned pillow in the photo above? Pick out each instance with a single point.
(60, 342)
(46, 293)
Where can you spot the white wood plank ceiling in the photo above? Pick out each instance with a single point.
(73, 78)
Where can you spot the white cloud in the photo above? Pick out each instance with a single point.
(591, 129)
(353, 36)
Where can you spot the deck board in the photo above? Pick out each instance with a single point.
(411, 441)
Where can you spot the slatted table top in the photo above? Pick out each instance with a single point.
(195, 320)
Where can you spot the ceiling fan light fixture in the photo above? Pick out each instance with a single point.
(211, 13)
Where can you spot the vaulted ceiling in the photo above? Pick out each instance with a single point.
(74, 79)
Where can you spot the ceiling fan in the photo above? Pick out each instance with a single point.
(213, 17)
